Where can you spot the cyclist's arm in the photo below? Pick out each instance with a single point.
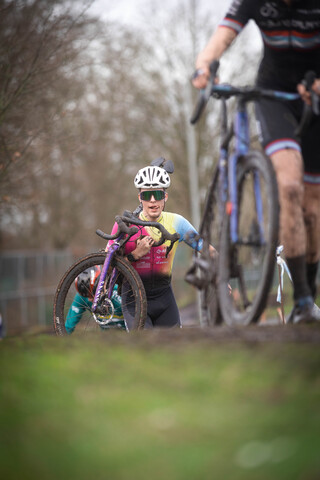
(217, 45)
(188, 234)
(236, 18)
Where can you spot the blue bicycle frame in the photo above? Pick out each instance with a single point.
(228, 193)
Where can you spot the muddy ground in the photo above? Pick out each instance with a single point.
(272, 331)
(267, 332)
(251, 335)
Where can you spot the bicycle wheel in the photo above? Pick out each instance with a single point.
(68, 302)
(210, 309)
(247, 265)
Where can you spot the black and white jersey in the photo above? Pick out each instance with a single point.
(291, 38)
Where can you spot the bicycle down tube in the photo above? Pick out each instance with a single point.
(111, 251)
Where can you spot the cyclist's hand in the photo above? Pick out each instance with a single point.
(305, 95)
(143, 246)
(200, 77)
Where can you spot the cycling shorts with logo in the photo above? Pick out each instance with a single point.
(162, 309)
(291, 41)
(277, 122)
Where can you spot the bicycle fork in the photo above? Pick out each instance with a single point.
(102, 300)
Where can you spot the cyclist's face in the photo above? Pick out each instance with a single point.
(152, 208)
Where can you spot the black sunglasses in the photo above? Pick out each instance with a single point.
(157, 194)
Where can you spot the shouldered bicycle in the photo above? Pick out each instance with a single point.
(116, 272)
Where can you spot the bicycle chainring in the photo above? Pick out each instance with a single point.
(104, 311)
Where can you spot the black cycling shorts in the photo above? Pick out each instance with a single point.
(277, 122)
(162, 309)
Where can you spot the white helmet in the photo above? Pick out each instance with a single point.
(152, 177)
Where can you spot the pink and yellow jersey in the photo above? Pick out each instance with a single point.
(155, 269)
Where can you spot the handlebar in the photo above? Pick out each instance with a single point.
(205, 94)
(254, 93)
(130, 218)
(122, 228)
(308, 110)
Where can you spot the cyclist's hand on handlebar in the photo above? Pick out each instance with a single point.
(200, 77)
(309, 89)
(143, 246)
(316, 86)
(206, 77)
(306, 94)
(204, 73)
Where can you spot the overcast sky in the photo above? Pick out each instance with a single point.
(124, 10)
(129, 11)
(132, 12)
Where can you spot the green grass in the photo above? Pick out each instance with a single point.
(128, 408)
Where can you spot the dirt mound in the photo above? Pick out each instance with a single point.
(249, 334)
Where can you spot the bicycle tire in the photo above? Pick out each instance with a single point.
(66, 291)
(237, 262)
(210, 309)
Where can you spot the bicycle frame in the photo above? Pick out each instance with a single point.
(114, 247)
(228, 195)
(227, 165)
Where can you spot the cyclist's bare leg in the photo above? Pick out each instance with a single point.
(288, 166)
(311, 209)
(299, 230)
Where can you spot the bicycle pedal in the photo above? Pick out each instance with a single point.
(192, 276)
(208, 268)
(195, 281)
(202, 264)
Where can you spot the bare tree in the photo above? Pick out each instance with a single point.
(83, 106)
(39, 41)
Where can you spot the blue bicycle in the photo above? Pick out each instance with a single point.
(240, 218)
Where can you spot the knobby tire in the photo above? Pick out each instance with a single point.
(126, 273)
(210, 309)
(241, 312)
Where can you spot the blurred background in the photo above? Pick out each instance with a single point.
(90, 93)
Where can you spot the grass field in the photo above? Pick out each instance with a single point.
(151, 406)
